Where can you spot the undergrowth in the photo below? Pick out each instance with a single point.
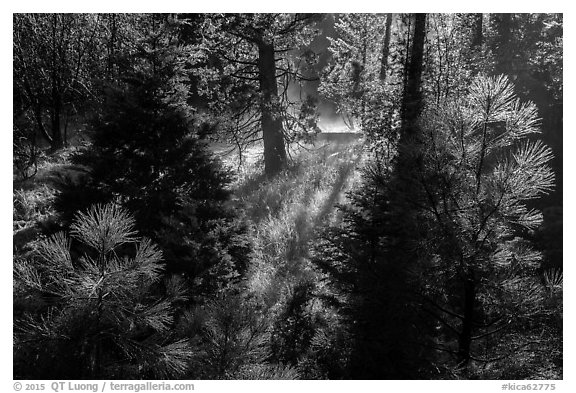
(284, 215)
(285, 211)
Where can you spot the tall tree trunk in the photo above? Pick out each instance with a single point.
(55, 117)
(56, 142)
(412, 100)
(393, 211)
(40, 122)
(504, 50)
(111, 48)
(465, 339)
(385, 48)
(477, 34)
(408, 159)
(275, 158)
(360, 76)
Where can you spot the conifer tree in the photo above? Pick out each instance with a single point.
(146, 152)
(98, 314)
(461, 254)
(480, 170)
(251, 64)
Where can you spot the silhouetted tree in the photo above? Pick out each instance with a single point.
(146, 154)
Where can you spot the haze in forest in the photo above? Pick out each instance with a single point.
(288, 196)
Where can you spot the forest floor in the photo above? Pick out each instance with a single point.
(286, 212)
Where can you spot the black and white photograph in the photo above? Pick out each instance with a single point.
(366, 196)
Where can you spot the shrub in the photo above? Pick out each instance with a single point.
(233, 339)
(99, 314)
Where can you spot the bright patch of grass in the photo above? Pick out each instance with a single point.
(286, 210)
(32, 205)
(33, 198)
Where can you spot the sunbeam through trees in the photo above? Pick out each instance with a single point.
(288, 196)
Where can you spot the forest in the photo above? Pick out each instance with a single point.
(287, 196)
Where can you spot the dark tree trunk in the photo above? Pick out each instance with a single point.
(408, 159)
(465, 339)
(272, 130)
(412, 100)
(392, 330)
(111, 48)
(40, 123)
(56, 142)
(477, 35)
(385, 48)
(504, 50)
(55, 117)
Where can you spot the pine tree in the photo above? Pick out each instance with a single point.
(448, 267)
(146, 153)
(99, 313)
(480, 168)
(232, 332)
(251, 63)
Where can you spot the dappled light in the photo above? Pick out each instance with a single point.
(247, 196)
